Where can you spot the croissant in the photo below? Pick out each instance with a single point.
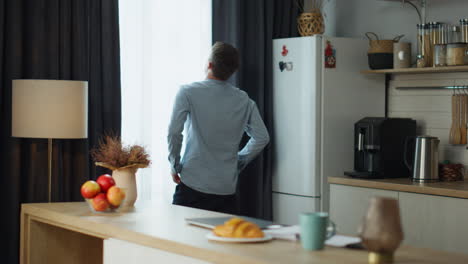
(238, 228)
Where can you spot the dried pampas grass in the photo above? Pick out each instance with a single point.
(112, 154)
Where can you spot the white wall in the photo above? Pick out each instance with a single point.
(430, 108)
(389, 19)
(329, 13)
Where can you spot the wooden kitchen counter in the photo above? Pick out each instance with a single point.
(458, 189)
(70, 233)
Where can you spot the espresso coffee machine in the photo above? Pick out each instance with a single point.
(379, 145)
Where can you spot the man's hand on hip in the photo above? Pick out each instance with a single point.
(175, 177)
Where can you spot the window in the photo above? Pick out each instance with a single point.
(163, 43)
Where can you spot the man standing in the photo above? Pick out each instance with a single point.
(217, 115)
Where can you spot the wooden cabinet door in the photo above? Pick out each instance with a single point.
(435, 221)
(348, 205)
(123, 252)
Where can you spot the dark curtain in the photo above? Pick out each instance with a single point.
(251, 25)
(54, 39)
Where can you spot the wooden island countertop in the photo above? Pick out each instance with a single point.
(162, 226)
(457, 189)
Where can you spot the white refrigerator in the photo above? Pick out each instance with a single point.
(318, 95)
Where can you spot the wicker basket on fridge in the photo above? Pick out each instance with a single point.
(310, 23)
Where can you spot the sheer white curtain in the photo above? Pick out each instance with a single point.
(163, 43)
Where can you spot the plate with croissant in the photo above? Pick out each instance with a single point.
(237, 230)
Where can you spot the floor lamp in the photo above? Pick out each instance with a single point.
(52, 109)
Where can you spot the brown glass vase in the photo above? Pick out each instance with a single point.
(381, 231)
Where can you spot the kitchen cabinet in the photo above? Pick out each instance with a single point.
(434, 221)
(118, 251)
(431, 220)
(348, 205)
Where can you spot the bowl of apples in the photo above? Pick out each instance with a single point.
(102, 195)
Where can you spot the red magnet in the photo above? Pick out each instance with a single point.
(285, 51)
(330, 56)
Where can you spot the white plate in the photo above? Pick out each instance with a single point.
(214, 237)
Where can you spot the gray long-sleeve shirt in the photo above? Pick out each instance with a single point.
(217, 115)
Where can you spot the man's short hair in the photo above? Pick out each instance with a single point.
(224, 59)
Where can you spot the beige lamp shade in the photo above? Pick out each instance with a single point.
(50, 109)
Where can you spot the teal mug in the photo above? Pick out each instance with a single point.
(315, 229)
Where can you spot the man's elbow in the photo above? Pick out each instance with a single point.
(174, 137)
(265, 140)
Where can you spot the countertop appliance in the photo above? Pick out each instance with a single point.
(318, 94)
(379, 147)
(425, 165)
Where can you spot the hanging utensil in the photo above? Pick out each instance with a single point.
(457, 133)
(465, 112)
(463, 119)
(452, 128)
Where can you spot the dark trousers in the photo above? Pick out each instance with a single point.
(187, 196)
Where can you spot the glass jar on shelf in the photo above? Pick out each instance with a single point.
(455, 35)
(464, 30)
(434, 29)
(440, 55)
(428, 43)
(440, 44)
(420, 39)
(456, 54)
(464, 36)
(443, 33)
(420, 61)
(422, 42)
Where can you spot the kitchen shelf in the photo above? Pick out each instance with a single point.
(419, 70)
(464, 87)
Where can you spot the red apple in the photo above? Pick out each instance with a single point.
(100, 202)
(105, 181)
(115, 196)
(90, 189)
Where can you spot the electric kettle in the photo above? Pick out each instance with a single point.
(425, 163)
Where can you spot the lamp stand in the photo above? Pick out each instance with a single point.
(49, 158)
(36, 114)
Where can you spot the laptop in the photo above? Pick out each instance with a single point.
(211, 222)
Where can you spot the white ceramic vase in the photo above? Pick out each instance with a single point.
(126, 178)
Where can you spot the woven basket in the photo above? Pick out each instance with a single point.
(309, 24)
(377, 45)
(451, 172)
